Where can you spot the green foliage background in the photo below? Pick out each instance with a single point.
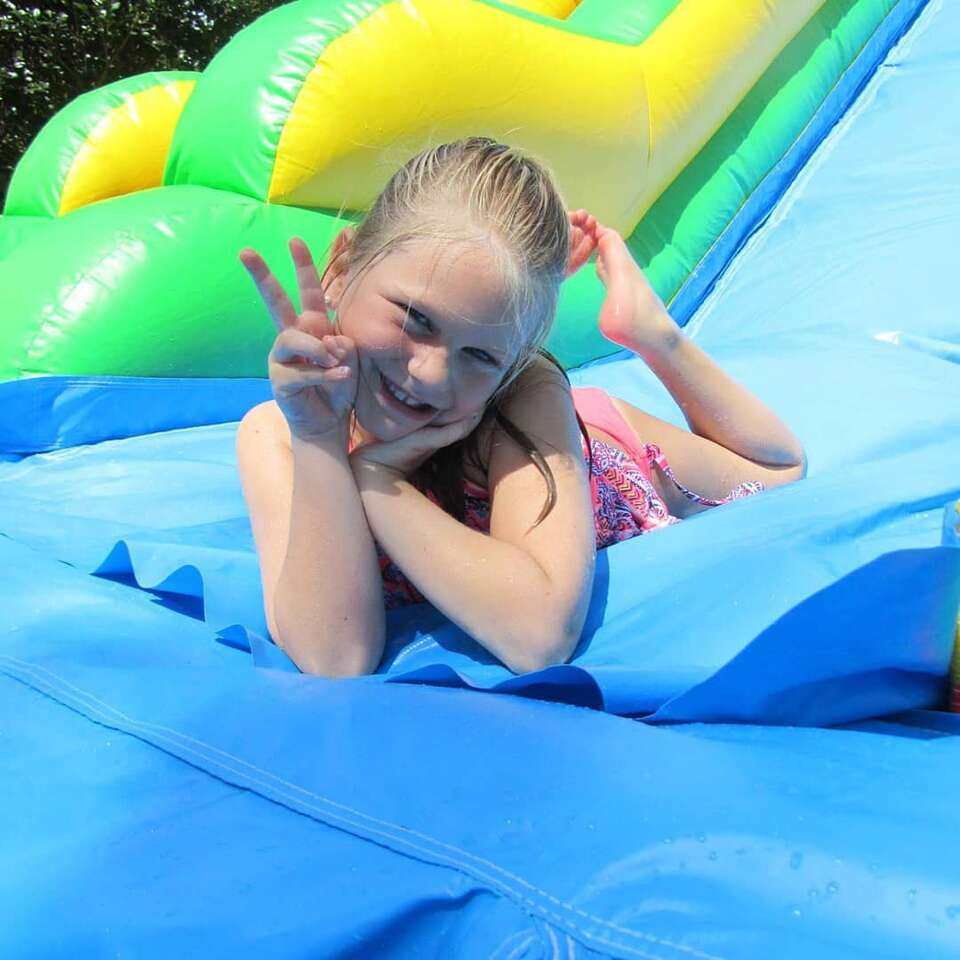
(53, 52)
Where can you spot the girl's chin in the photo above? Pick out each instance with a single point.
(380, 426)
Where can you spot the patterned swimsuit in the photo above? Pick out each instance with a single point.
(625, 501)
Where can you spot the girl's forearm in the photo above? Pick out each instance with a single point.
(493, 590)
(716, 406)
(329, 597)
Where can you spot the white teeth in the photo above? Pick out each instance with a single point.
(404, 398)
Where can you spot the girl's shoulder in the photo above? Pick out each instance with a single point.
(543, 372)
(534, 390)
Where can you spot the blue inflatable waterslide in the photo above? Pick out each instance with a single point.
(744, 759)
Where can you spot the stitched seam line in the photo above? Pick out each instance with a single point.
(60, 689)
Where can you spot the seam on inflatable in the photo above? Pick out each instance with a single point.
(415, 647)
(58, 688)
(525, 937)
(521, 948)
(554, 944)
(119, 720)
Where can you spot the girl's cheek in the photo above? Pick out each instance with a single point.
(378, 338)
(479, 397)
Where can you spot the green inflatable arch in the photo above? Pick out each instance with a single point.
(143, 279)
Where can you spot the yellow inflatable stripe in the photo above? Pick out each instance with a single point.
(127, 149)
(373, 100)
(615, 123)
(560, 9)
(700, 63)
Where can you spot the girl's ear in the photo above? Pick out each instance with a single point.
(337, 266)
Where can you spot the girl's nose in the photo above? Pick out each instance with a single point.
(429, 367)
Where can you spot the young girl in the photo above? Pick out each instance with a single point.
(421, 444)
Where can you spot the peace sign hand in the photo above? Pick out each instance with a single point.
(313, 370)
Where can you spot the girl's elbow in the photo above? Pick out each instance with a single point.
(542, 649)
(350, 656)
(799, 470)
(333, 666)
(550, 639)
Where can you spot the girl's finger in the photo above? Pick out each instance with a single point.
(341, 347)
(334, 347)
(308, 280)
(279, 305)
(294, 344)
(581, 246)
(582, 220)
(291, 374)
(287, 381)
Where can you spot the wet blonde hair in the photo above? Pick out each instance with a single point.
(480, 191)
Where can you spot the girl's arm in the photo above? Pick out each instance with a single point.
(523, 591)
(716, 406)
(322, 591)
(735, 436)
(321, 578)
(735, 439)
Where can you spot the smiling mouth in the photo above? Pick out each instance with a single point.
(404, 400)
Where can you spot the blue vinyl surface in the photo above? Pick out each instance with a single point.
(172, 785)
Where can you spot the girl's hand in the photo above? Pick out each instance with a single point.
(583, 239)
(403, 455)
(313, 371)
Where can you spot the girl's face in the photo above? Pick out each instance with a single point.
(433, 333)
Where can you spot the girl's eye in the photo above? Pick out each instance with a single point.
(412, 316)
(422, 325)
(483, 356)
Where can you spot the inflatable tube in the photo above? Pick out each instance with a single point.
(166, 258)
(240, 126)
(105, 143)
(352, 98)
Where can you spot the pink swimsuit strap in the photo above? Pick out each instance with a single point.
(596, 409)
